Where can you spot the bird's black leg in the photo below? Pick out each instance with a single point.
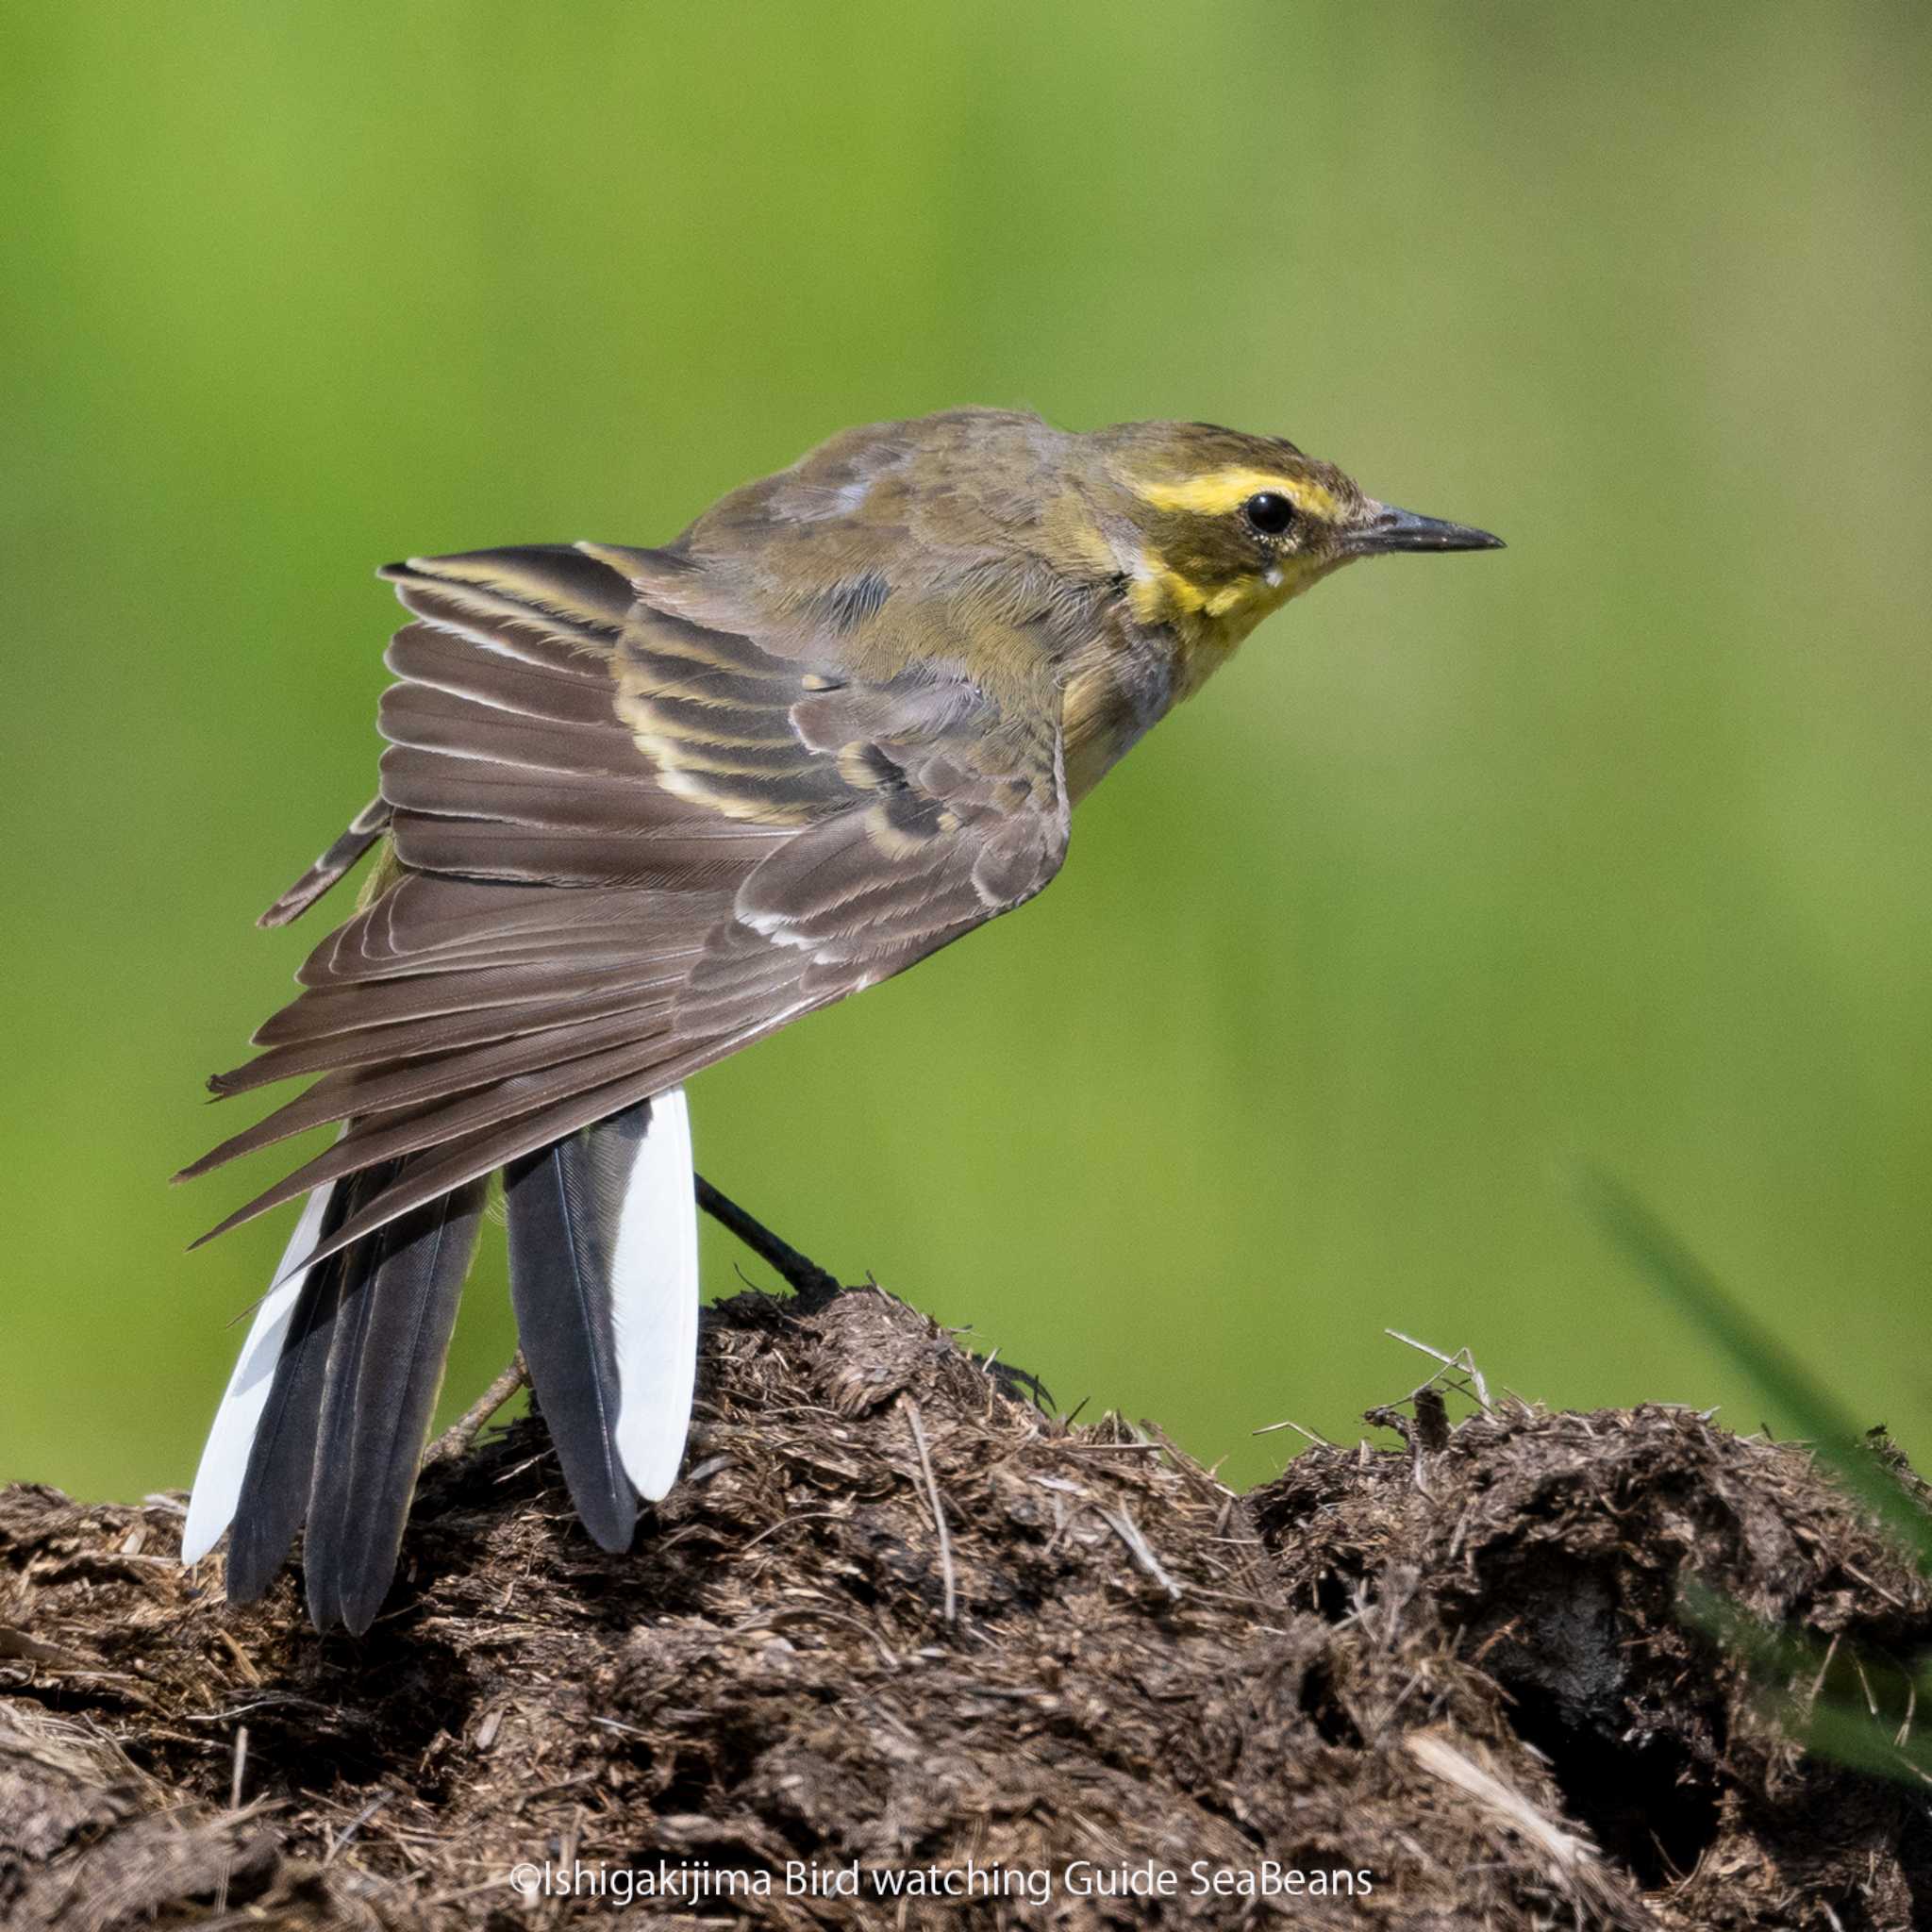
(805, 1277)
(809, 1279)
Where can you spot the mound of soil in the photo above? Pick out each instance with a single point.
(902, 1650)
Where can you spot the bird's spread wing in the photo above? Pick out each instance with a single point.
(640, 814)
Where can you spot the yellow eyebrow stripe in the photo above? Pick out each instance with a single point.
(1223, 491)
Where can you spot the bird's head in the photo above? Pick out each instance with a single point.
(1215, 530)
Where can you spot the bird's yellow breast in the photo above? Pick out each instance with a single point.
(1208, 619)
(1116, 691)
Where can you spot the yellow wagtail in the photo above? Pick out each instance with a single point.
(638, 808)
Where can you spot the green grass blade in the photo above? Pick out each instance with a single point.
(1835, 1434)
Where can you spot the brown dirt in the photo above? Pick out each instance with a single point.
(1461, 1672)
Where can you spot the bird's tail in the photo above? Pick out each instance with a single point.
(323, 1426)
(325, 1418)
(604, 1277)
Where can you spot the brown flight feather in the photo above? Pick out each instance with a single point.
(639, 817)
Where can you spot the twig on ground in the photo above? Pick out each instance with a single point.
(938, 1508)
(1274, 1430)
(356, 1825)
(1129, 1531)
(456, 1439)
(1461, 1363)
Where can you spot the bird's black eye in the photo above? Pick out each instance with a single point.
(1270, 512)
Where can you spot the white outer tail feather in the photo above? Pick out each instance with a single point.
(654, 1301)
(224, 1459)
(654, 1320)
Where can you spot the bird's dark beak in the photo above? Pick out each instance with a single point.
(1389, 529)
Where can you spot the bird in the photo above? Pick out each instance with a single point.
(638, 808)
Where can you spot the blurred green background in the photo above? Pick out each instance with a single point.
(1612, 848)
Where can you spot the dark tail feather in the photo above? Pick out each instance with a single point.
(274, 1497)
(385, 1363)
(365, 828)
(563, 1205)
